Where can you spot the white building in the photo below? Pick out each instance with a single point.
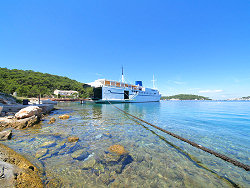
(66, 93)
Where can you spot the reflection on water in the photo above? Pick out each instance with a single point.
(151, 160)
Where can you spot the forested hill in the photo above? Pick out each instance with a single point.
(30, 84)
(246, 98)
(185, 97)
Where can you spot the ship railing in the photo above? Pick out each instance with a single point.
(120, 84)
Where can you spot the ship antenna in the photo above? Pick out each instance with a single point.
(122, 76)
(154, 82)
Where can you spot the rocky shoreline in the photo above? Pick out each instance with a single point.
(15, 170)
(26, 117)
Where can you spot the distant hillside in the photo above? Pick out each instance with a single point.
(185, 97)
(246, 98)
(30, 84)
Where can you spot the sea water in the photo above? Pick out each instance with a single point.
(152, 158)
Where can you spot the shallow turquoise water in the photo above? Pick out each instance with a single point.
(154, 159)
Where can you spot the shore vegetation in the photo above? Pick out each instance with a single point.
(27, 83)
(246, 98)
(184, 97)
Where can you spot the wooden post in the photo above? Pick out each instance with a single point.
(39, 96)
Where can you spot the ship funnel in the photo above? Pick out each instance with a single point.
(138, 83)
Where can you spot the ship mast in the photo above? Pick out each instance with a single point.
(154, 82)
(122, 76)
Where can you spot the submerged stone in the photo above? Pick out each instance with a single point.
(98, 136)
(65, 116)
(99, 167)
(80, 154)
(60, 144)
(89, 163)
(107, 135)
(48, 144)
(42, 152)
(73, 139)
(52, 120)
(109, 158)
(118, 149)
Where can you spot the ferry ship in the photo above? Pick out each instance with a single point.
(106, 91)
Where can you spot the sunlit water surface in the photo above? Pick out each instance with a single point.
(154, 159)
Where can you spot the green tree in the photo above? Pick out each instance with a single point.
(30, 83)
(23, 91)
(34, 91)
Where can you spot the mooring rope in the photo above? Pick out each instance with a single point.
(193, 159)
(219, 155)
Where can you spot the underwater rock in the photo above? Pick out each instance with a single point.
(80, 154)
(139, 158)
(89, 163)
(107, 135)
(99, 167)
(65, 116)
(110, 159)
(118, 149)
(98, 136)
(28, 112)
(42, 152)
(116, 163)
(52, 120)
(48, 144)
(5, 135)
(73, 139)
(68, 147)
(60, 144)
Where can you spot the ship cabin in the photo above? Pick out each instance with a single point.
(110, 83)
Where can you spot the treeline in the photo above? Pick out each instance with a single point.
(185, 97)
(31, 84)
(246, 97)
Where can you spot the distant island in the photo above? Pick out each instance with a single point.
(27, 83)
(246, 98)
(240, 99)
(184, 97)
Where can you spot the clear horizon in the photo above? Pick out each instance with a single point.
(191, 47)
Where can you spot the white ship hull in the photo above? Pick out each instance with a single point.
(126, 95)
(106, 91)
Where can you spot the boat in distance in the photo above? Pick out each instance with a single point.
(106, 91)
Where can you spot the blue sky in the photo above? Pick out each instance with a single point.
(195, 47)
